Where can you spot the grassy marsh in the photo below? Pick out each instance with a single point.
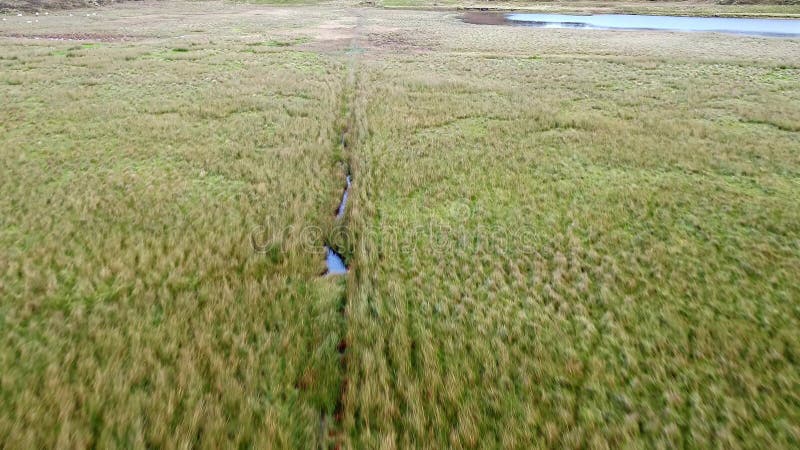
(136, 176)
(557, 238)
(576, 253)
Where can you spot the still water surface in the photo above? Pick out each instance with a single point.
(760, 27)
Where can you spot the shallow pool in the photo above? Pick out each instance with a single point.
(335, 263)
(759, 27)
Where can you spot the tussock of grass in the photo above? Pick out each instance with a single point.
(287, 43)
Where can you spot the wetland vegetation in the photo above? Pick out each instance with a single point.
(554, 238)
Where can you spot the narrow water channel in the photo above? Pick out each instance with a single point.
(334, 260)
(343, 204)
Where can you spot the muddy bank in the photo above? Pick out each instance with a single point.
(485, 18)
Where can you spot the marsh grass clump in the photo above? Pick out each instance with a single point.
(286, 43)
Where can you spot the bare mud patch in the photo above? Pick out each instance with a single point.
(397, 41)
(485, 18)
(331, 36)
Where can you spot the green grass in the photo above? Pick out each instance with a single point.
(135, 310)
(575, 253)
(557, 238)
